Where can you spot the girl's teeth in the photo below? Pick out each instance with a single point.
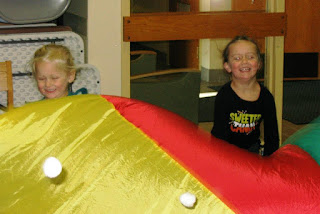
(244, 69)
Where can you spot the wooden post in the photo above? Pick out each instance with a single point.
(274, 63)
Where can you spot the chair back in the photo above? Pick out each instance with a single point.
(6, 83)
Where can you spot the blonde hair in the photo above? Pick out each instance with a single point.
(59, 54)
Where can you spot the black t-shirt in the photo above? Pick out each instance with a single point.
(238, 121)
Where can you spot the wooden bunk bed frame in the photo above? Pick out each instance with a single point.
(270, 25)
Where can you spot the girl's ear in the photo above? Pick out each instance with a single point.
(72, 76)
(227, 67)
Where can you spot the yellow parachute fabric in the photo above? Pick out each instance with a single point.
(109, 165)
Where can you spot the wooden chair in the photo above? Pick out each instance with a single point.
(6, 84)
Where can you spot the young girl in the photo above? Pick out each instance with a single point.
(54, 71)
(242, 104)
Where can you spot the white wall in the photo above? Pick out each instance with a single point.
(220, 5)
(211, 49)
(105, 45)
(99, 23)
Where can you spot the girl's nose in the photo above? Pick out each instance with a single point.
(244, 59)
(48, 83)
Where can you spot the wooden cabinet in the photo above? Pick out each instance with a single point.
(303, 26)
(303, 22)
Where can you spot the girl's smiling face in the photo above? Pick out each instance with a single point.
(53, 82)
(243, 61)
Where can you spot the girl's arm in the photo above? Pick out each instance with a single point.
(271, 133)
(220, 122)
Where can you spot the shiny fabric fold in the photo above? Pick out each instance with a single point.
(109, 164)
(121, 155)
(288, 181)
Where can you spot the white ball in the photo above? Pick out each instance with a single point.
(52, 167)
(188, 200)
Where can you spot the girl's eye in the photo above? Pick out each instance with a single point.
(55, 78)
(236, 58)
(40, 79)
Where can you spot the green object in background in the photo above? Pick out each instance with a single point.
(177, 92)
(142, 63)
(308, 138)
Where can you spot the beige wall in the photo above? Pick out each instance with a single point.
(105, 47)
(99, 23)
